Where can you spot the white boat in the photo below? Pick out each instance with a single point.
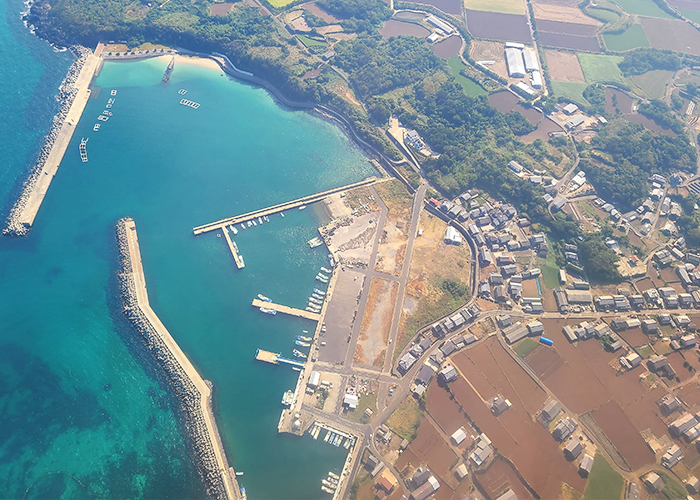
(333, 475)
(282, 214)
(320, 292)
(327, 490)
(268, 311)
(262, 297)
(233, 228)
(296, 368)
(96, 127)
(267, 219)
(108, 106)
(242, 226)
(326, 270)
(250, 223)
(103, 118)
(260, 220)
(254, 223)
(114, 92)
(107, 113)
(302, 207)
(288, 398)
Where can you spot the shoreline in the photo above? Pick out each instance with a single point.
(192, 391)
(74, 93)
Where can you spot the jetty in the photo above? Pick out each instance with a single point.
(36, 187)
(169, 70)
(276, 358)
(195, 393)
(306, 200)
(234, 249)
(299, 313)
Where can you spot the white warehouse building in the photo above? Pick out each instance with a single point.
(531, 63)
(514, 60)
(537, 79)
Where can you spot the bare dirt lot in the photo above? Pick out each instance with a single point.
(562, 13)
(392, 246)
(515, 433)
(564, 67)
(431, 448)
(376, 323)
(483, 50)
(444, 410)
(499, 478)
(618, 427)
(570, 28)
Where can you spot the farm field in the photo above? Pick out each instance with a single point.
(500, 477)
(470, 87)
(601, 68)
(503, 101)
(564, 67)
(566, 28)
(652, 83)
(310, 42)
(484, 50)
(504, 6)
(633, 38)
(643, 8)
(448, 48)
(562, 13)
(498, 26)
(571, 42)
(280, 3)
(672, 34)
(448, 6)
(570, 90)
(604, 482)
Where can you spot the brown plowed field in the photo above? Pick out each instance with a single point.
(566, 27)
(618, 427)
(497, 26)
(444, 410)
(635, 337)
(430, 447)
(449, 6)
(671, 34)
(571, 42)
(560, 12)
(499, 478)
(564, 67)
(515, 433)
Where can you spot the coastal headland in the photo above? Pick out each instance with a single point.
(74, 93)
(193, 392)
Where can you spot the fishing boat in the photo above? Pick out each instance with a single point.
(268, 311)
(323, 276)
(325, 489)
(331, 260)
(239, 473)
(302, 343)
(103, 118)
(326, 270)
(96, 127)
(315, 242)
(317, 296)
(302, 207)
(114, 92)
(298, 354)
(322, 280)
(255, 223)
(243, 492)
(325, 438)
(305, 339)
(282, 214)
(267, 219)
(346, 444)
(333, 475)
(288, 398)
(315, 302)
(242, 226)
(83, 149)
(250, 223)
(296, 368)
(233, 228)
(260, 220)
(262, 297)
(327, 483)
(310, 309)
(321, 292)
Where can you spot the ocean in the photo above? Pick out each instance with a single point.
(83, 412)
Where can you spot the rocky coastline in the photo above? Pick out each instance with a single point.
(66, 95)
(189, 398)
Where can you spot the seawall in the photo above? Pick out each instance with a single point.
(73, 93)
(193, 392)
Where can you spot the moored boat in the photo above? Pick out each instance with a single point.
(302, 343)
(302, 337)
(262, 297)
(298, 353)
(288, 398)
(268, 311)
(233, 228)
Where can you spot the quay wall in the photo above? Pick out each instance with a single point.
(193, 393)
(73, 94)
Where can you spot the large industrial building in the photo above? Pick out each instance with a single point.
(530, 57)
(514, 59)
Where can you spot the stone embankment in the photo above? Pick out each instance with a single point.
(193, 393)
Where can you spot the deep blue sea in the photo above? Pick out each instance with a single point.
(82, 412)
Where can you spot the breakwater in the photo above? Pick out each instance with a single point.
(73, 94)
(193, 392)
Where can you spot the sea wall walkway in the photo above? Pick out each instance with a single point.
(193, 391)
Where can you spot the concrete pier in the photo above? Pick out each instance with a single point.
(213, 226)
(194, 392)
(234, 249)
(287, 310)
(27, 207)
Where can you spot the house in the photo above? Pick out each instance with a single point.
(535, 328)
(563, 429)
(682, 424)
(657, 363)
(458, 436)
(508, 495)
(585, 465)
(575, 122)
(570, 109)
(452, 237)
(420, 476)
(425, 374)
(461, 472)
(653, 482)
(579, 297)
(499, 405)
(504, 320)
(688, 341)
(669, 404)
(448, 348)
(406, 362)
(350, 400)
(448, 374)
(569, 334)
(573, 449)
(515, 332)
(632, 360)
(650, 327)
(386, 480)
(551, 410)
(692, 484)
(484, 257)
(672, 456)
(483, 450)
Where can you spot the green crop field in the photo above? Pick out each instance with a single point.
(600, 68)
(525, 347)
(604, 483)
(279, 3)
(310, 42)
(571, 91)
(633, 38)
(693, 15)
(471, 88)
(505, 6)
(602, 14)
(652, 83)
(643, 8)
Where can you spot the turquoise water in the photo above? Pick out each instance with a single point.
(86, 415)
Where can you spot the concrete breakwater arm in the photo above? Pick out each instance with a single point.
(74, 93)
(193, 392)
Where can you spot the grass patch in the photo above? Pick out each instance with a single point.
(310, 42)
(633, 38)
(573, 91)
(364, 401)
(603, 14)
(599, 68)
(470, 87)
(525, 347)
(645, 351)
(550, 271)
(505, 6)
(406, 419)
(673, 489)
(279, 3)
(604, 482)
(652, 83)
(643, 8)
